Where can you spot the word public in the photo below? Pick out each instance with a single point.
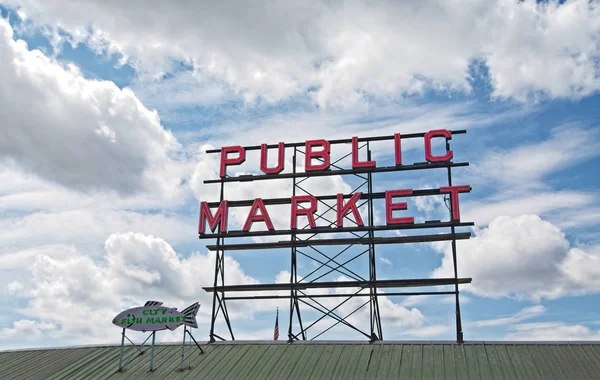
(306, 205)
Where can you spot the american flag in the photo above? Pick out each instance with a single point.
(276, 333)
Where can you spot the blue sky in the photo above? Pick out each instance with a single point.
(106, 116)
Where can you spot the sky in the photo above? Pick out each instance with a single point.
(107, 109)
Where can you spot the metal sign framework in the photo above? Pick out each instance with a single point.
(303, 242)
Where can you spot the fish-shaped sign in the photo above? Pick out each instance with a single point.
(155, 317)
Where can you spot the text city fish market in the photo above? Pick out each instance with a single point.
(156, 319)
(259, 213)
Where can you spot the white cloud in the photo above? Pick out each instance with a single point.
(14, 288)
(435, 299)
(526, 165)
(519, 176)
(386, 261)
(524, 314)
(22, 259)
(67, 290)
(583, 266)
(427, 331)
(543, 47)
(343, 53)
(548, 204)
(579, 218)
(552, 331)
(89, 225)
(83, 134)
(28, 330)
(523, 256)
(184, 89)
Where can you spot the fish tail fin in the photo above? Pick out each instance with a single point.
(190, 315)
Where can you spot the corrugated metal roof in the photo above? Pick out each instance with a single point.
(315, 360)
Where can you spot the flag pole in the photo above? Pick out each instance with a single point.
(276, 332)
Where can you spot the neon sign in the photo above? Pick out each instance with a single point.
(305, 206)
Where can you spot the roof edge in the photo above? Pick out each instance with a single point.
(283, 342)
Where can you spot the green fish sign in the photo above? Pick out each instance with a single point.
(155, 317)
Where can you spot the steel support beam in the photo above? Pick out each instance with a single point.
(331, 230)
(344, 141)
(326, 173)
(404, 283)
(346, 241)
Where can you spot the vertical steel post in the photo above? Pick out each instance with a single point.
(224, 305)
(459, 331)
(217, 266)
(122, 347)
(292, 257)
(374, 304)
(294, 305)
(152, 351)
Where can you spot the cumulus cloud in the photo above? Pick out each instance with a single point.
(531, 42)
(82, 134)
(524, 257)
(342, 53)
(67, 290)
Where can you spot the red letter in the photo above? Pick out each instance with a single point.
(355, 162)
(437, 133)
(231, 161)
(453, 191)
(304, 211)
(324, 154)
(398, 149)
(350, 206)
(219, 217)
(390, 207)
(263, 217)
(263, 159)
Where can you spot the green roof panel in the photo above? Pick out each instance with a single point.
(313, 360)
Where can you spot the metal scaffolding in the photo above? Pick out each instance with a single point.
(304, 242)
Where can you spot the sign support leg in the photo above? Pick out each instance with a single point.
(122, 346)
(197, 345)
(183, 346)
(152, 350)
